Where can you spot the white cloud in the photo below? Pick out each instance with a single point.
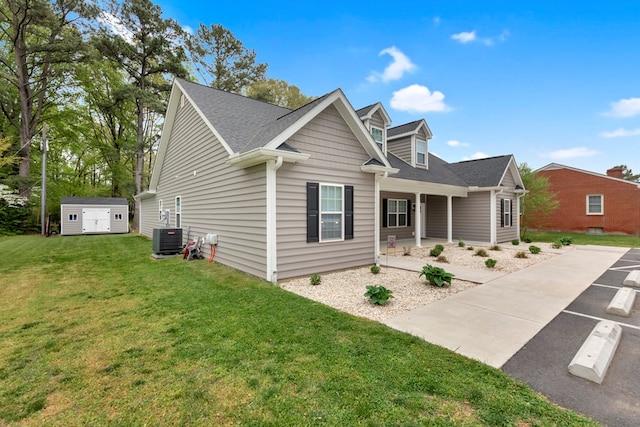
(456, 143)
(116, 26)
(401, 64)
(620, 132)
(624, 108)
(475, 156)
(571, 153)
(465, 36)
(436, 21)
(418, 99)
(471, 36)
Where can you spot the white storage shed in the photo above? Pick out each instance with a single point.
(94, 215)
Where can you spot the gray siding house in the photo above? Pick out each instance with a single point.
(293, 193)
(94, 215)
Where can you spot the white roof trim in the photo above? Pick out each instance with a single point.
(145, 195)
(423, 122)
(554, 166)
(378, 106)
(378, 169)
(339, 100)
(261, 155)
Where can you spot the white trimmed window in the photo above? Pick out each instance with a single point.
(160, 212)
(331, 212)
(506, 219)
(397, 213)
(421, 152)
(378, 135)
(178, 211)
(595, 204)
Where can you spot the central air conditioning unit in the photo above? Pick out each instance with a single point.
(167, 241)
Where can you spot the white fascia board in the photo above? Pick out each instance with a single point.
(339, 100)
(145, 195)
(167, 127)
(261, 155)
(408, 186)
(378, 169)
(383, 111)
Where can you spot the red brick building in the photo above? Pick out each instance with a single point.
(591, 202)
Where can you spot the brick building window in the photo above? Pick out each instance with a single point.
(595, 204)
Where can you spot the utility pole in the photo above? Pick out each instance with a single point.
(43, 197)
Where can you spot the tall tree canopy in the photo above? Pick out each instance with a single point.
(38, 39)
(222, 61)
(149, 50)
(278, 92)
(539, 202)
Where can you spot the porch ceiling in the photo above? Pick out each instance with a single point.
(409, 186)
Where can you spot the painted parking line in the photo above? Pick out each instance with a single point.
(588, 316)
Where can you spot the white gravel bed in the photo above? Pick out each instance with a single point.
(344, 290)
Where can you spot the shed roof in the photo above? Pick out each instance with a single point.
(73, 200)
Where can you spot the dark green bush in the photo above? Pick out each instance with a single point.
(436, 276)
(534, 249)
(490, 263)
(378, 295)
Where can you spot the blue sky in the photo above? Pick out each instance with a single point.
(546, 81)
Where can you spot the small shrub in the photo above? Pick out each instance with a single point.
(495, 248)
(435, 252)
(556, 245)
(406, 250)
(443, 259)
(315, 279)
(566, 240)
(521, 254)
(436, 276)
(439, 247)
(490, 263)
(469, 248)
(534, 249)
(515, 242)
(527, 240)
(375, 269)
(481, 252)
(378, 295)
(461, 243)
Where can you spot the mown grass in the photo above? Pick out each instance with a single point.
(95, 332)
(586, 239)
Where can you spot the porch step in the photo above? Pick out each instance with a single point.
(632, 279)
(592, 360)
(622, 302)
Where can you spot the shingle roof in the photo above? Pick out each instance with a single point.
(482, 172)
(365, 110)
(72, 200)
(438, 172)
(401, 129)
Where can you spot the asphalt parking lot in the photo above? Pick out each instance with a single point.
(542, 362)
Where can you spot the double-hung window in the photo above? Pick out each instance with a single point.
(178, 212)
(595, 204)
(421, 152)
(331, 212)
(397, 213)
(378, 135)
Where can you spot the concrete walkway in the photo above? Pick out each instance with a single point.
(492, 321)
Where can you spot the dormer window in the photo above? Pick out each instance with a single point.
(378, 135)
(421, 152)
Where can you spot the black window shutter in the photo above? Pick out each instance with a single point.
(501, 212)
(511, 213)
(313, 210)
(408, 212)
(384, 213)
(348, 212)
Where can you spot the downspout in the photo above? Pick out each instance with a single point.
(272, 253)
(376, 222)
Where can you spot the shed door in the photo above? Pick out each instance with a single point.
(96, 220)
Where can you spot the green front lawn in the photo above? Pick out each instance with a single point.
(95, 332)
(586, 239)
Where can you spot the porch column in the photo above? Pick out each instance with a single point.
(449, 219)
(418, 220)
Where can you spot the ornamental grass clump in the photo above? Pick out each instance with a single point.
(315, 279)
(534, 249)
(481, 252)
(378, 295)
(436, 276)
(521, 254)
